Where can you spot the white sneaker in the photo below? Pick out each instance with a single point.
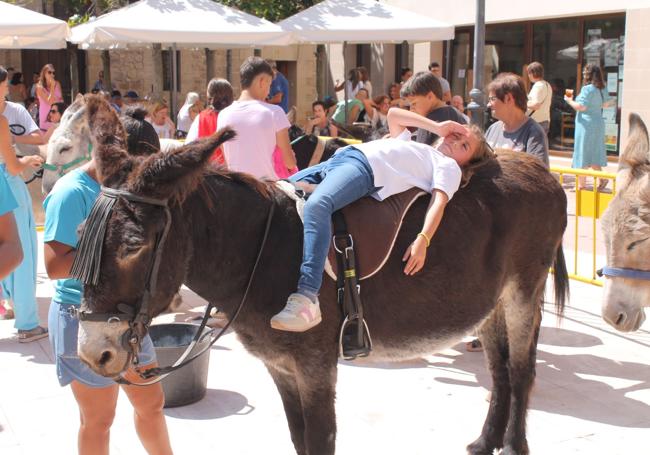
(298, 315)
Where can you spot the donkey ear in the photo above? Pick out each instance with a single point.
(166, 174)
(109, 142)
(637, 150)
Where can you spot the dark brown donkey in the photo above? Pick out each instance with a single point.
(487, 267)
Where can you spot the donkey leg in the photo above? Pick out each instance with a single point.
(494, 339)
(523, 319)
(288, 388)
(317, 391)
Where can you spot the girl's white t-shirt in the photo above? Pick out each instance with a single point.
(399, 164)
(256, 124)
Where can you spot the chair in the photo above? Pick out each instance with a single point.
(567, 123)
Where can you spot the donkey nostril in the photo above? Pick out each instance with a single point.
(105, 358)
(620, 319)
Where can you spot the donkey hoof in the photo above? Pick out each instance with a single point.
(480, 447)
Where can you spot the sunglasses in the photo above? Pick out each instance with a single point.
(51, 72)
(54, 111)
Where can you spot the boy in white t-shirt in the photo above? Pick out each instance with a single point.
(260, 126)
(379, 169)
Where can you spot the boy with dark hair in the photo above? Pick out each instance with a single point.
(424, 93)
(261, 127)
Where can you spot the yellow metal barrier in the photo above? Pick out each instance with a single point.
(347, 141)
(590, 203)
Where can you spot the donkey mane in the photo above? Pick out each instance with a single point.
(264, 188)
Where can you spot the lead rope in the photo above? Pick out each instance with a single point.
(163, 372)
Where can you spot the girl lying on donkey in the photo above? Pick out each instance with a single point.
(379, 169)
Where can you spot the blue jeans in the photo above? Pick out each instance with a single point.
(344, 178)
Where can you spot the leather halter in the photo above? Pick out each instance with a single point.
(138, 318)
(62, 169)
(621, 272)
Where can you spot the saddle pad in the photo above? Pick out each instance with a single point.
(373, 225)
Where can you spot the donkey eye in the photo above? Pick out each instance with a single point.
(64, 149)
(635, 243)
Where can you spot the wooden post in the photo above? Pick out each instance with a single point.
(74, 70)
(106, 67)
(157, 86)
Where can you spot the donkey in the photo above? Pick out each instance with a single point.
(487, 267)
(626, 228)
(70, 145)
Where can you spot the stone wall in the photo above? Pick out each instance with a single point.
(10, 58)
(133, 69)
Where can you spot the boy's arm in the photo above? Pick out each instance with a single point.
(416, 253)
(11, 253)
(400, 119)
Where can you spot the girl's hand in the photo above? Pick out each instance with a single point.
(33, 161)
(449, 127)
(416, 255)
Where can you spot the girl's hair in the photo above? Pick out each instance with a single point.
(157, 107)
(41, 78)
(481, 156)
(220, 94)
(142, 138)
(363, 72)
(594, 75)
(3, 74)
(16, 78)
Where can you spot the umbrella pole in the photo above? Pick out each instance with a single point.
(345, 82)
(174, 94)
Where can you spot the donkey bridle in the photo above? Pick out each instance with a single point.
(622, 272)
(139, 319)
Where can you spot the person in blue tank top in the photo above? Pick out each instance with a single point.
(66, 207)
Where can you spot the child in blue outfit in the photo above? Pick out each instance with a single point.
(379, 169)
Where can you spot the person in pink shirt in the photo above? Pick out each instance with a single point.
(48, 92)
(260, 126)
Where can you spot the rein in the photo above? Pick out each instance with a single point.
(139, 322)
(621, 272)
(62, 169)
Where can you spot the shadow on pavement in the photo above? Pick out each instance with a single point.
(216, 404)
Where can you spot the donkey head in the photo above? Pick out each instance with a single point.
(127, 237)
(69, 146)
(626, 227)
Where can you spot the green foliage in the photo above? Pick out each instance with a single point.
(272, 10)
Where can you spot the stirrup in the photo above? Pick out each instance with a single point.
(351, 343)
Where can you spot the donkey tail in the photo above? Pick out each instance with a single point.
(561, 281)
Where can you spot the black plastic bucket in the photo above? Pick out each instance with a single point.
(188, 384)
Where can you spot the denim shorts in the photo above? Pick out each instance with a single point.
(63, 330)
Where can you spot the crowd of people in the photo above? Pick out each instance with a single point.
(428, 144)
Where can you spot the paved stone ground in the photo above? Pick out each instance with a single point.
(592, 396)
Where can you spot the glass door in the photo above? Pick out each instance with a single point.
(604, 43)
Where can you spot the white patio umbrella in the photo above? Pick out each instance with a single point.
(178, 23)
(21, 28)
(363, 21)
